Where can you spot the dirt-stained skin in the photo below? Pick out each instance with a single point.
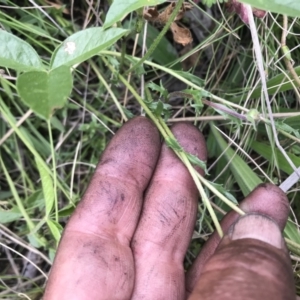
(128, 236)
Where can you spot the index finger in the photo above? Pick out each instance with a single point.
(94, 257)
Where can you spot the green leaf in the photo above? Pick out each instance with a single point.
(158, 88)
(279, 83)
(286, 52)
(194, 79)
(290, 8)
(55, 228)
(160, 109)
(45, 91)
(196, 161)
(165, 53)
(291, 232)
(66, 211)
(197, 99)
(287, 128)
(36, 241)
(47, 185)
(10, 215)
(120, 8)
(209, 3)
(84, 44)
(173, 144)
(222, 190)
(51, 254)
(243, 174)
(17, 54)
(266, 152)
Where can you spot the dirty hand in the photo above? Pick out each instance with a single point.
(125, 243)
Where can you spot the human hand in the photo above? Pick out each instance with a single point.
(118, 246)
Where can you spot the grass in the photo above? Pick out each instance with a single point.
(242, 151)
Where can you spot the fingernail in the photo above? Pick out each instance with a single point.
(257, 226)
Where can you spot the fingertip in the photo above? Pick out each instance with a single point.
(251, 261)
(133, 152)
(191, 140)
(268, 199)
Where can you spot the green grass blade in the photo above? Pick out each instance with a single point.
(243, 174)
(47, 186)
(266, 152)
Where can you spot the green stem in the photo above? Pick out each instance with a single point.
(54, 169)
(181, 78)
(205, 200)
(138, 98)
(220, 195)
(195, 176)
(167, 134)
(101, 78)
(219, 99)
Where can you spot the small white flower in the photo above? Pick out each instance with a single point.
(70, 47)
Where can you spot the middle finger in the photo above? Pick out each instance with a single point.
(166, 225)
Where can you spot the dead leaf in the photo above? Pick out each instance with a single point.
(185, 7)
(152, 14)
(58, 6)
(181, 35)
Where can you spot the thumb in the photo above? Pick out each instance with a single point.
(251, 262)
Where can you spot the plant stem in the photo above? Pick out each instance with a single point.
(167, 133)
(220, 195)
(181, 78)
(117, 103)
(214, 97)
(54, 169)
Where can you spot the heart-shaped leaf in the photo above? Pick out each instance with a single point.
(18, 54)
(84, 44)
(290, 8)
(44, 91)
(120, 8)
